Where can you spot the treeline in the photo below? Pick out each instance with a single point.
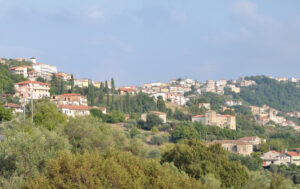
(284, 96)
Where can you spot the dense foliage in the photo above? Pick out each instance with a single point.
(284, 96)
(5, 114)
(113, 169)
(7, 80)
(197, 160)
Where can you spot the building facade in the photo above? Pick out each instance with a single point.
(212, 118)
(27, 90)
(45, 70)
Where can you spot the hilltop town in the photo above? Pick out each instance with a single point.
(217, 112)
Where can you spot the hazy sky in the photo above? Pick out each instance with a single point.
(138, 41)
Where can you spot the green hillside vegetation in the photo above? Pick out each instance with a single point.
(284, 96)
(7, 80)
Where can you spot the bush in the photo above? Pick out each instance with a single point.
(134, 131)
(159, 140)
(152, 120)
(116, 117)
(154, 154)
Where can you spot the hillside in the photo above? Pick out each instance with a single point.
(284, 96)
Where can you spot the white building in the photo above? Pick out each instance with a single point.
(33, 60)
(19, 70)
(163, 95)
(234, 103)
(46, 70)
(70, 110)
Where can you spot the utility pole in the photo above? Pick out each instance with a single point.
(31, 105)
(24, 109)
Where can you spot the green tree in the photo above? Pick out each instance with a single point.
(113, 87)
(152, 120)
(91, 93)
(184, 132)
(277, 182)
(54, 89)
(25, 151)
(116, 117)
(112, 170)
(72, 83)
(197, 160)
(46, 114)
(106, 89)
(5, 114)
(161, 106)
(179, 115)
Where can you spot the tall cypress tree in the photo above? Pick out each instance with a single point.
(91, 93)
(112, 107)
(106, 87)
(113, 88)
(107, 101)
(127, 103)
(62, 86)
(54, 85)
(72, 83)
(161, 106)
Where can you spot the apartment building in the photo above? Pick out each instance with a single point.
(27, 90)
(45, 70)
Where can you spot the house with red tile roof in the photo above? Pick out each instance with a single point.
(64, 76)
(74, 99)
(73, 111)
(276, 158)
(19, 70)
(127, 90)
(16, 108)
(27, 90)
(295, 157)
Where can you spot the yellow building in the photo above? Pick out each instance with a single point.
(97, 84)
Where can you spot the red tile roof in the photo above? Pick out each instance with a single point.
(158, 113)
(31, 82)
(33, 71)
(293, 154)
(12, 105)
(126, 89)
(198, 116)
(14, 68)
(70, 94)
(70, 107)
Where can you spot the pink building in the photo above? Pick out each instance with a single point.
(27, 90)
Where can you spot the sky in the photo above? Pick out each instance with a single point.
(141, 41)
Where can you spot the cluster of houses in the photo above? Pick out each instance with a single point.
(266, 115)
(281, 158)
(247, 145)
(174, 91)
(40, 70)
